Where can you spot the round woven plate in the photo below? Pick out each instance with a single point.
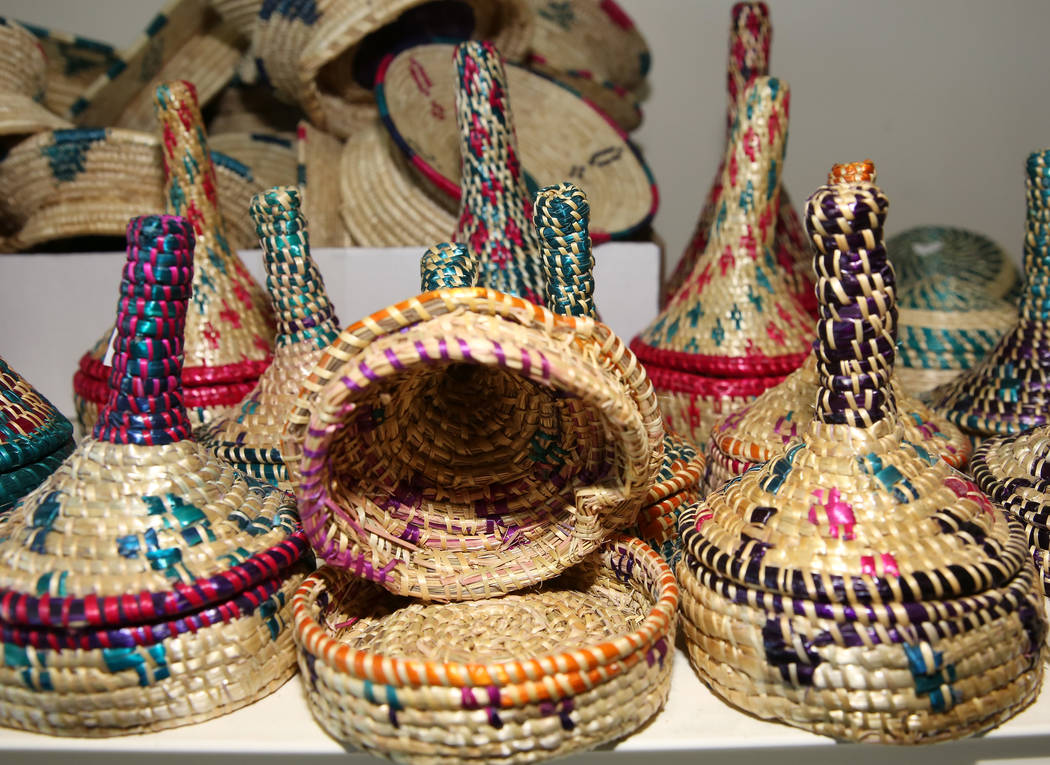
(457, 682)
(416, 95)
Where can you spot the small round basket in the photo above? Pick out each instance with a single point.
(423, 682)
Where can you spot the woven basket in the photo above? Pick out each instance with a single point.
(23, 82)
(560, 136)
(186, 40)
(750, 34)
(249, 435)
(384, 200)
(856, 585)
(1011, 471)
(229, 328)
(34, 437)
(317, 153)
(456, 682)
(72, 184)
(324, 55)
(1007, 391)
(618, 104)
(759, 431)
(145, 584)
(677, 485)
(494, 208)
(922, 251)
(594, 36)
(735, 328)
(73, 63)
(241, 108)
(466, 443)
(272, 158)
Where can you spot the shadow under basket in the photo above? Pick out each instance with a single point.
(426, 682)
(466, 443)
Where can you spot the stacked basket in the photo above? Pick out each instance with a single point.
(761, 429)
(734, 328)
(460, 446)
(34, 437)
(229, 330)
(145, 584)
(1007, 392)
(856, 585)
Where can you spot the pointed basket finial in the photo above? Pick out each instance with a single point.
(561, 215)
(447, 266)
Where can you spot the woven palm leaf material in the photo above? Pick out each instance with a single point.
(34, 437)
(186, 40)
(750, 35)
(857, 585)
(593, 36)
(1009, 391)
(455, 682)
(248, 436)
(617, 103)
(762, 429)
(23, 82)
(494, 208)
(317, 153)
(1012, 471)
(466, 443)
(145, 584)
(324, 55)
(73, 63)
(676, 486)
(229, 329)
(60, 186)
(272, 158)
(242, 108)
(384, 200)
(950, 299)
(560, 136)
(735, 328)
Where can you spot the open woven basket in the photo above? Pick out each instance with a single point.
(145, 584)
(455, 682)
(465, 443)
(23, 82)
(856, 585)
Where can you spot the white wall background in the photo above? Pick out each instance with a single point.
(947, 96)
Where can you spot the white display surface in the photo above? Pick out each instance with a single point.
(53, 307)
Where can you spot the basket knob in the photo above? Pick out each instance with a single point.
(447, 266)
(1035, 299)
(561, 215)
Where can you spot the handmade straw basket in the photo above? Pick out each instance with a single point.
(857, 585)
(466, 443)
(454, 682)
(677, 485)
(73, 63)
(23, 81)
(324, 55)
(248, 436)
(34, 437)
(145, 584)
(271, 158)
(416, 92)
(750, 36)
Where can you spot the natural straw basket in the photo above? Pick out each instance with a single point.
(73, 63)
(145, 584)
(676, 486)
(620, 105)
(750, 35)
(71, 184)
(241, 108)
(594, 36)
(466, 443)
(454, 682)
(323, 55)
(229, 331)
(856, 585)
(495, 207)
(34, 437)
(735, 328)
(186, 40)
(949, 298)
(317, 153)
(560, 136)
(1007, 391)
(272, 158)
(384, 201)
(249, 435)
(23, 81)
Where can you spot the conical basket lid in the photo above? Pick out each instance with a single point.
(852, 512)
(750, 36)
(249, 435)
(924, 251)
(141, 522)
(735, 315)
(1008, 391)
